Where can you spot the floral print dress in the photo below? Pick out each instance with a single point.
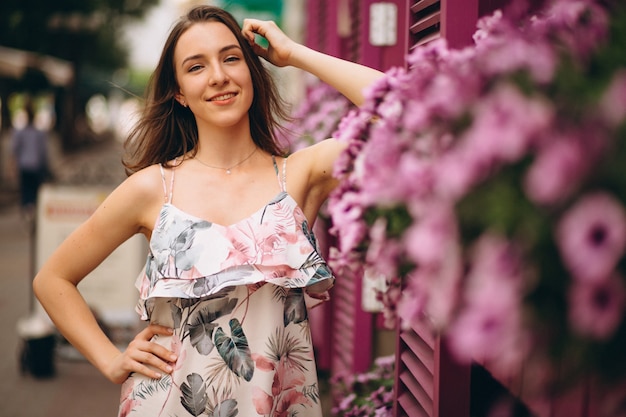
(236, 297)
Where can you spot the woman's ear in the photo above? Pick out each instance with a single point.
(181, 99)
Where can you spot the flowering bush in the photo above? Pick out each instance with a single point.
(487, 185)
(366, 395)
(315, 118)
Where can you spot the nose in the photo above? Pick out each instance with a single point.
(218, 76)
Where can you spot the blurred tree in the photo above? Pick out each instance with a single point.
(87, 33)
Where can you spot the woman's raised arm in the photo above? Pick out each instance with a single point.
(347, 77)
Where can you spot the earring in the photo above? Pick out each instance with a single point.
(183, 103)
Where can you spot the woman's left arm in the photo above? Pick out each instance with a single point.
(347, 77)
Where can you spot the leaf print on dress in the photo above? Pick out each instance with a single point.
(287, 358)
(201, 323)
(127, 401)
(309, 234)
(322, 278)
(283, 346)
(194, 397)
(172, 248)
(227, 408)
(294, 306)
(222, 380)
(235, 350)
(150, 387)
(235, 275)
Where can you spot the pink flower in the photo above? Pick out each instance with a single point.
(505, 125)
(416, 116)
(411, 302)
(592, 236)
(613, 103)
(495, 261)
(428, 239)
(385, 363)
(515, 53)
(346, 402)
(556, 171)
(422, 60)
(596, 309)
(457, 171)
(487, 25)
(383, 254)
(376, 168)
(347, 219)
(489, 326)
(580, 24)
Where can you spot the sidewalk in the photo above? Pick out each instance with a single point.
(78, 389)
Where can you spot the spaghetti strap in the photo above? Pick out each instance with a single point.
(282, 182)
(284, 179)
(167, 197)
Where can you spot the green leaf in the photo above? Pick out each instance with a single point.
(234, 350)
(201, 337)
(202, 324)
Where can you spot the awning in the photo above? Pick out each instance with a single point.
(15, 62)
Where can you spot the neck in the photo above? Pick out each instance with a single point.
(224, 147)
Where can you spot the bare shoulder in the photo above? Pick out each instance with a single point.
(146, 183)
(137, 200)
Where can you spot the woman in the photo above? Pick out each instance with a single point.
(229, 222)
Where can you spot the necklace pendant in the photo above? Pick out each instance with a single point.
(228, 171)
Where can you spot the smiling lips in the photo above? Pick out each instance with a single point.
(223, 97)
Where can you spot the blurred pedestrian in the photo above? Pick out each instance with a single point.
(29, 149)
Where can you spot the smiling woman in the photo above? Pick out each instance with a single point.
(233, 265)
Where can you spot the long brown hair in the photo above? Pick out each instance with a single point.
(168, 130)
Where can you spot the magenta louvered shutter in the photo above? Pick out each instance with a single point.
(454, 20)
(429, 383)
(425, 22)
(352, 329)
(321, 23)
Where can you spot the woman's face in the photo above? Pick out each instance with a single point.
(213, 77)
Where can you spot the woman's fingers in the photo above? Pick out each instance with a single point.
(144, 356)
(279, 49)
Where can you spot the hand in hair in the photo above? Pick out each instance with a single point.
(280, 45)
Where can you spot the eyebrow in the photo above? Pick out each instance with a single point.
(222, 50)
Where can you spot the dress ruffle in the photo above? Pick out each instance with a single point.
(192, 258)
(316, 280)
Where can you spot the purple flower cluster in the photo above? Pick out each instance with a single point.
(486, 186)
(366, 395)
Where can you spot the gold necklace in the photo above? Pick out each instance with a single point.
(228, 170)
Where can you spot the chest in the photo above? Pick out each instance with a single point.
(224, 199)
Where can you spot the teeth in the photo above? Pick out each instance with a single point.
(223, 97)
